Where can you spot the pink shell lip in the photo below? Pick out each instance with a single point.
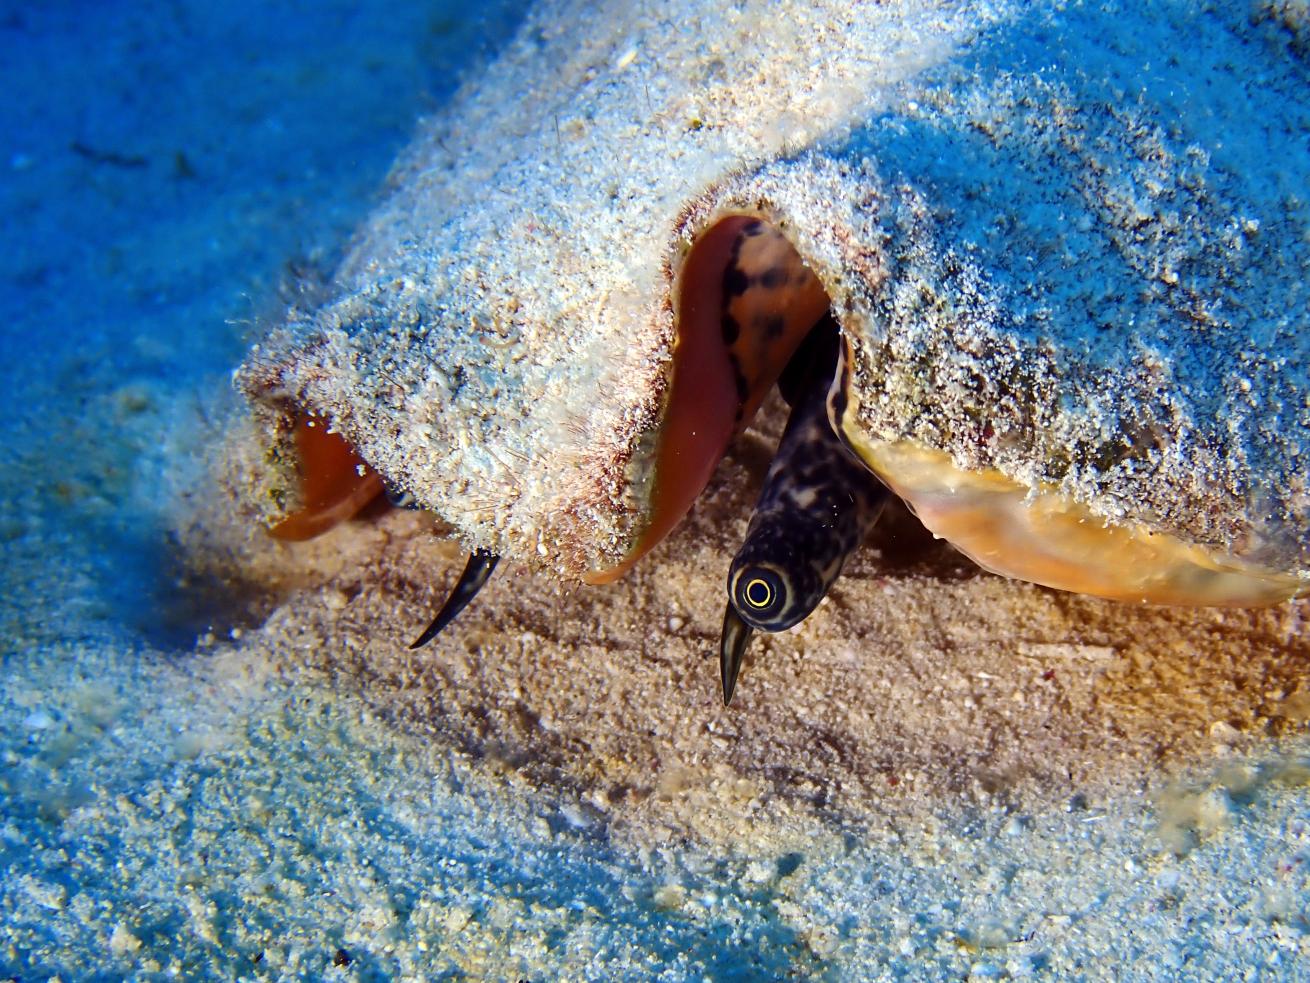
(1049, 539)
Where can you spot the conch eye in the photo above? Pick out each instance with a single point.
(760, 594)
(399, 498)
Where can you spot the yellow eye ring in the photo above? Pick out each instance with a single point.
(752, 593)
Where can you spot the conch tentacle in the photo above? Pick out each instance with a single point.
(732, 649)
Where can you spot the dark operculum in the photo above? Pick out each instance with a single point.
(477, 571)
(817, 504)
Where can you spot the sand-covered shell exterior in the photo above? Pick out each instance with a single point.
(1077, 263)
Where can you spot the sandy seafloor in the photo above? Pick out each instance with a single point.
(220, 761)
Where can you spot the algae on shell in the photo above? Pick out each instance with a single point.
(1070, 254)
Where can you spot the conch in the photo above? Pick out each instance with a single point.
(1060, 271)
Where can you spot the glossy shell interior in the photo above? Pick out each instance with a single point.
(334, 483)
(1047, 538)
(717, 383)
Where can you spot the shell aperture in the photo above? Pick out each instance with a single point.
(335, 483)
(817, 504)
(747, 301)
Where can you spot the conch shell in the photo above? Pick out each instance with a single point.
(1070, 270)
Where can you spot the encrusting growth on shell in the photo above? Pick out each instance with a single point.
(1071, 276)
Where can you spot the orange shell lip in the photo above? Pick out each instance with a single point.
(717, 383)
(335, 483)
